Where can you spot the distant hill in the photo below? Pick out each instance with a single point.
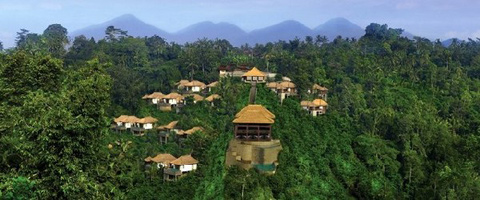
(210, 30)
(128, 22)
(286, 30)
(339, 26)
(448, 42)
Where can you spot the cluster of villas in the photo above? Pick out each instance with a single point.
(283, 89)
(175, 100)
(252, 145)
(173, 168)
(136, 125)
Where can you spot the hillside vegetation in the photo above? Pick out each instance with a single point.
(403, 119)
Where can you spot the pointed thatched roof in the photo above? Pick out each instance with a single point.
(254, 72)
(254, 114)
(185, 160)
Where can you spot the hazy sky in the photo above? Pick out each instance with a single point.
(428, 18)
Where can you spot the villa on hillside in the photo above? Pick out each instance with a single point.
(181, 135)
(181, 84)
(211, 99)
(153, 98)
(253, 146)
(196, 97)
(124, 122)
(171, 100)
(254, 76)
(239, 71)
(179, 167)
(283, 89)
(162, 160)
(232, 71)
(166, 131)
(319, 91)
(315, 107)
(134, 124)
(194, 86)
(210, 86)
(144, 124)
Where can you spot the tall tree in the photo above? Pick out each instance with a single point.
(56, 39)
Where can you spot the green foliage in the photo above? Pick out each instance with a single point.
(402, 121)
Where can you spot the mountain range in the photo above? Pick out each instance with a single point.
(286, 30)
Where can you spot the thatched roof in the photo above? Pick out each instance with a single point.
(164, 158)
(193, 130)
(195, 83)
(254, 114)
(212, 97)
(213, 84)
(182, 82)
(155, 95)
(318, 87)
(173, 95)
(126, 119)
(170, 125)
(281, 85)
(196, 97)
(185, 160)
(314, 103)
(254, 72)
(147, 120)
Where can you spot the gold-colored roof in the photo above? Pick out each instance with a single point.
(126, 119)
(164, 158)
(213, 84)
(194, 83)
(147, 120)
(281, 85)
(254, 72)
(193, 130)
(182, 82)
(121, 118)
(318, 87)
(212, 97)
(320, 102)
(196, 97)
(254, 114)
(185, 160)
(155, 95)
(170, 125)
(173, 95)
(314, 103)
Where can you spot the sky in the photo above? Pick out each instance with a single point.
(433, 19)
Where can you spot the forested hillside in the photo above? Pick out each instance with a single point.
(403, 120)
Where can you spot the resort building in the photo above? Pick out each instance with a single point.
(253, 146)
(254, 76)
(166, 131)
(161, 160)
(194, 86)
(179, 167)
(210, 87)
(283, 89)
(211, 98)
(315, 107)
(153, 98)
(319, 91)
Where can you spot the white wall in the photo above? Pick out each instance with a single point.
(187, 168)
(128, 125)
(196, 89)
(155, 101)
(119, 123)
(148, 126)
